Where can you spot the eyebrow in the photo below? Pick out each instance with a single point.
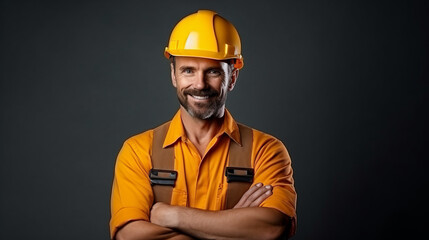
(186, 67)
(215, 68)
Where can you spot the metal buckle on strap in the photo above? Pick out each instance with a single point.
(237, 174)
(162, 177)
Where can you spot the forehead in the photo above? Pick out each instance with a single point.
(199, 62)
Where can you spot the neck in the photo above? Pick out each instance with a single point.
(200, 131)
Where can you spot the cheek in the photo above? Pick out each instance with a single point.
(183, 83)
(223, 91)
(225, 86)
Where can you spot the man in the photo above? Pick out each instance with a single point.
(205, 54)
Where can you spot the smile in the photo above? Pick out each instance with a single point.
(199, 97)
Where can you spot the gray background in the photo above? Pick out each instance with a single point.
(344, 84)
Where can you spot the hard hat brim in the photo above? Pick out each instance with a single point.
(204, 54)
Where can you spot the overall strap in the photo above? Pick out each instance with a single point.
(239, 157)
(162, 158)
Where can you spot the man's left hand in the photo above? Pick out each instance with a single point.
(255, 196)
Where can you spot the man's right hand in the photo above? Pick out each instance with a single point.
(255, 196)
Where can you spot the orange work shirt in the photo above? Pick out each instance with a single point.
(201, 182)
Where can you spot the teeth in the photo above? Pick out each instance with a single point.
(200, 97)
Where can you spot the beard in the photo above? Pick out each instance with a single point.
(202, 110)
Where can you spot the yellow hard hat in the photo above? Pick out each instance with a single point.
(205, 34)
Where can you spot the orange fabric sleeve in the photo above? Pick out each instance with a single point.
(132, 195)
(273, 166)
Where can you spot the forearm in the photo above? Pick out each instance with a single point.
(138, 230)
(243, 223)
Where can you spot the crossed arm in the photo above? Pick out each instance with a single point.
(245, 221)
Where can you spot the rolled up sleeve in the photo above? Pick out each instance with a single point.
(273, 167)
(132, 195)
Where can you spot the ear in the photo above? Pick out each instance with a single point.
(234, 77)
(173, 75)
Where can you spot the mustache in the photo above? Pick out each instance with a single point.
(205, 92)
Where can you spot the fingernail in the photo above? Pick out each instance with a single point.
(268, 192)
(268, 187)
(259, 184)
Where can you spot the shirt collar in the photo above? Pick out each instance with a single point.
(176, 130)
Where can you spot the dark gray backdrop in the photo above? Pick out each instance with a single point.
(344, 84)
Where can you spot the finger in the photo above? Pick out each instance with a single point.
(261, 198)
(248, 193)
(256, 195)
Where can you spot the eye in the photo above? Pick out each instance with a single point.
(187, 71)
(214, 72)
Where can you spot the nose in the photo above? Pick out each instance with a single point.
(200, 81)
